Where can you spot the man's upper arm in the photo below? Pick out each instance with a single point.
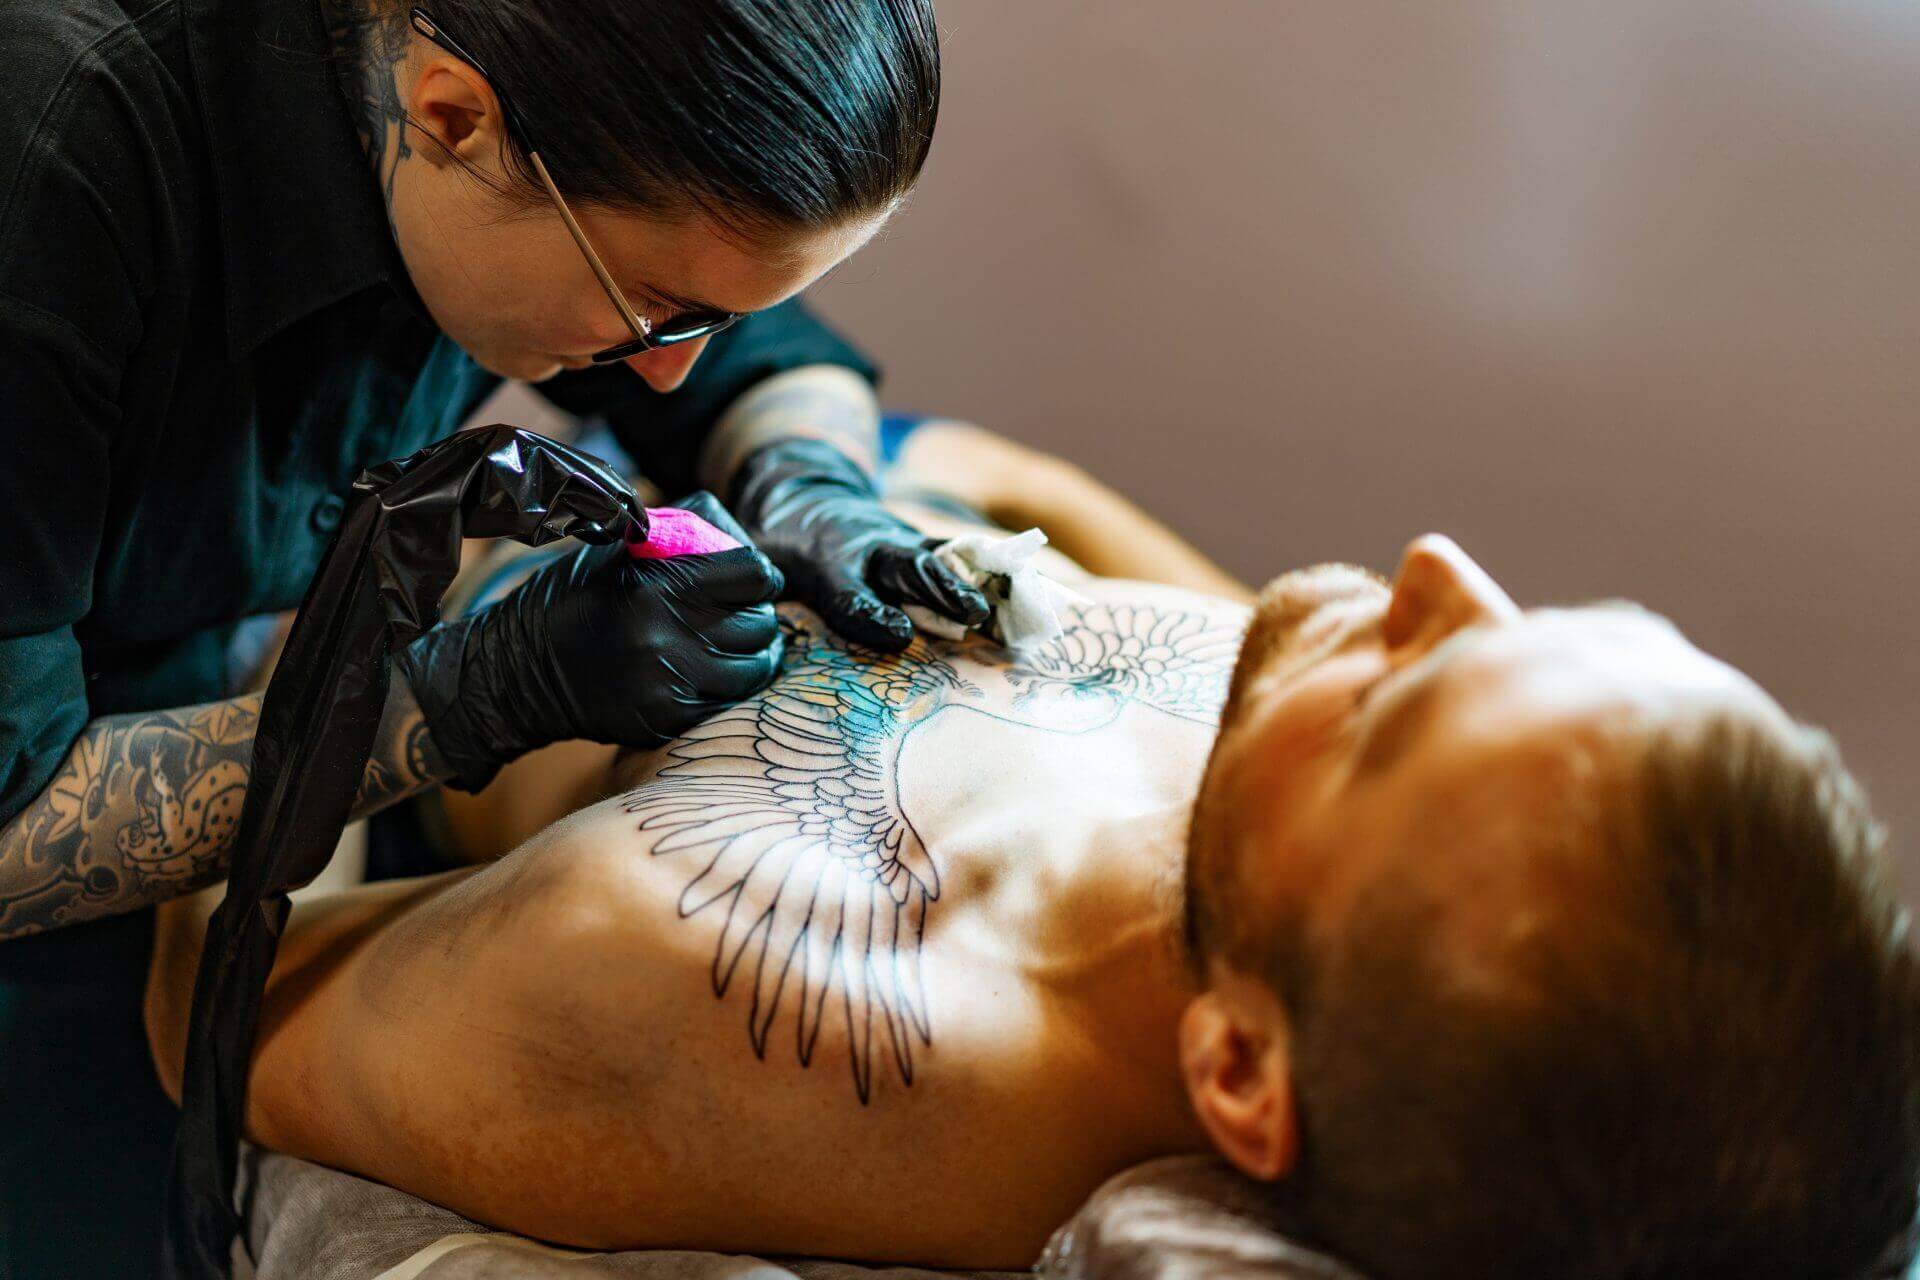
(665, 433)
(398, 1012)
(322, 938)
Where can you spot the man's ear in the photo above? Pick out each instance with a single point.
(1239, 1076)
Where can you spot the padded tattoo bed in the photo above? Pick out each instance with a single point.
(1166, 1219)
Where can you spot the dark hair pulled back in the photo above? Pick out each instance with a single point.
(762, 114)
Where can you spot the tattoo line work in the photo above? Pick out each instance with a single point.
(372, 39)
(404, 759)
(145, 808)
(787, 809)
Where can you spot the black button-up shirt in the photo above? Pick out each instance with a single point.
(206, 332)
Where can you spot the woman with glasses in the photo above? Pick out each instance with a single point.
(251, 247)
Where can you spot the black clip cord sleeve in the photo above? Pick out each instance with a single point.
(378, 588)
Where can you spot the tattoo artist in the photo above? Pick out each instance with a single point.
(249, 249)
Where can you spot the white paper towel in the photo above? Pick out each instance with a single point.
(1026, 603)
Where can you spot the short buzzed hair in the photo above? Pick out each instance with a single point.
(1714, 1070)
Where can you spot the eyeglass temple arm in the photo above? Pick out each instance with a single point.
(640, 327)
(639, 324)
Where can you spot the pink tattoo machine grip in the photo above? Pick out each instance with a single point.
(673, 532)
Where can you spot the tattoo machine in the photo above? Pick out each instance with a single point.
(378, 588)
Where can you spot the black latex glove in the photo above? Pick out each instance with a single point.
(600, 646)
(819, 518)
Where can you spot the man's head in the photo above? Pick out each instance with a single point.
(1542, 943)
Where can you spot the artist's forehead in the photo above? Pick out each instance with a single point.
(693, 258)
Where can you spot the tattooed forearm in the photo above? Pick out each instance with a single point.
(404, 760)
(146, 807)
(816, 402)
(371, 39)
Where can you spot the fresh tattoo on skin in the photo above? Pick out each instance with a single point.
(787, 815)
(371, 40)
(1170, 659)
(146, 806)
(816, 402)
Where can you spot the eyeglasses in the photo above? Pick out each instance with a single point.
(646, 336)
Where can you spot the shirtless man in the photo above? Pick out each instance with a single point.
(902, 958)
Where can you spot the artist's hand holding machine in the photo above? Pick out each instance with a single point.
(634, 643)
(614, 643)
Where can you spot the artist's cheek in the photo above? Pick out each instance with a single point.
(500, 301)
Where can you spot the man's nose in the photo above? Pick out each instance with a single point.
(665, 368)
(1439, 590)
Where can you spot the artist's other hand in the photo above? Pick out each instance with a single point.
(819, 517)
(603, 646)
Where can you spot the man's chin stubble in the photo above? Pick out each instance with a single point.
(1289, 601)
(1285, 606)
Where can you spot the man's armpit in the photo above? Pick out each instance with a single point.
(323, 934)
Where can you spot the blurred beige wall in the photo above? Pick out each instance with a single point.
(1626, 297)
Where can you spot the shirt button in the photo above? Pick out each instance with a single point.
(326, 513)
